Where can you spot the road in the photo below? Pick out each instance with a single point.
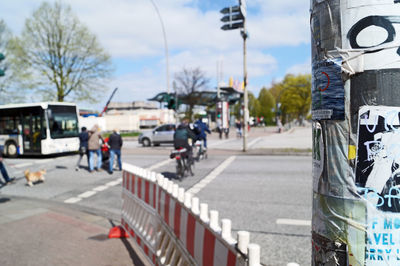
(269, 196)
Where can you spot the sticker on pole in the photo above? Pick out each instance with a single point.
(327, 90)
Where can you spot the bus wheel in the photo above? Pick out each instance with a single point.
(11, 149)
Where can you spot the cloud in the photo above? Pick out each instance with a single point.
(303, 68)
(131, 30)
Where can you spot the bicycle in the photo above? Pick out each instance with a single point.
(201, 152)
(183, 164)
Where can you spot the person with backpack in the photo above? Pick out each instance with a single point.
(201, 129)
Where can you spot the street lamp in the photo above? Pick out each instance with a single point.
(165, 43)
(235, 18)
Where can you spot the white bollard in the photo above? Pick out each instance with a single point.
(243, 241)
(175, 189)
(195, 205)
(204, 212)
(226, 231)
(160, 180)
(165, 184)
(188, 200)
(254, 254)
(170, 187)
(154, 177)
(214, 221)
(181, 194)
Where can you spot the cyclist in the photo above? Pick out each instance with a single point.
(202, 129)
(182, 135)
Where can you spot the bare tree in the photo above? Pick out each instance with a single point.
(187, 84)
(63, 56)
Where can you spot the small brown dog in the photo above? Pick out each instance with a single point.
(32, 177)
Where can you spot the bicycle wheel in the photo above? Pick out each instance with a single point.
(179, 170)
(190, 168)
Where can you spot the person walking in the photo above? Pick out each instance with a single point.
(83, 147)
(94, 147)
(115, 144)
(4, 173)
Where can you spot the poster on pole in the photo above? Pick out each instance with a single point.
(378, 181)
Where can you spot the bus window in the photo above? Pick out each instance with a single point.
(63, 122)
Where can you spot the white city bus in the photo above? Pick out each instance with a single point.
(38, 128)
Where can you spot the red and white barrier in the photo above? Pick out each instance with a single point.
(173, 228)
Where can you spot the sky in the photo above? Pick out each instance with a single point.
(131, 32)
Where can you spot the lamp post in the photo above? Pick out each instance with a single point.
(165, 43)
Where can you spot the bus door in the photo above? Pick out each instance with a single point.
(31, 133)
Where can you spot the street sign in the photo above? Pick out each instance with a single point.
(232, 26)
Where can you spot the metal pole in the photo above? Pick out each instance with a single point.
(246, 107)
(165, 43)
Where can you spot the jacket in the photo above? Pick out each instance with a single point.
(203, 129)
(115, 141)
(94, 138)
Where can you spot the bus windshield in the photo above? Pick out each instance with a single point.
(63, 121)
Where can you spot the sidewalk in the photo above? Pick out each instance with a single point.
(35, 232)
(267, 141)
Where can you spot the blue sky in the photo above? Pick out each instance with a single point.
(131, 32)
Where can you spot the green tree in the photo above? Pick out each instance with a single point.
(267, 104)
(296, 97)
(65, 58)
(254, 105)
(187, 83)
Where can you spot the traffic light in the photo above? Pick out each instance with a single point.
(2, 57)
(234, 16)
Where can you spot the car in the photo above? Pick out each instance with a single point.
(157, 136)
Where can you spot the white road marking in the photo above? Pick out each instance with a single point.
(87, 194)
(157, 165)
(205, 181)
(254, 141)
(293, 222)
(100, 188)
(23, 165)
(113, 183)
(92, 192)
(72, 200)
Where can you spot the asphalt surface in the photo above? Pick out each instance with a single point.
(44, 232)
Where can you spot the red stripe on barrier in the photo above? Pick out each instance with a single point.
(133, 184)
(138, 240)
(231, 258)
(166, 208)
(146, 250)
(159, 200)
(177, 220)
(191, 224)
(131, 232)
(139, 187)
(154, 195)
(154, 259)
(208, 248)
(147, 192)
